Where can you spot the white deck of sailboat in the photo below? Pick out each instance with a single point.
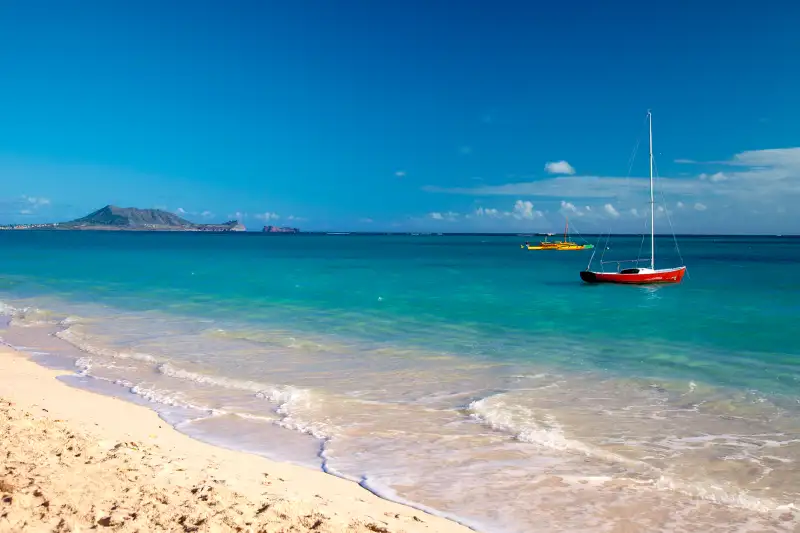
(643, 270)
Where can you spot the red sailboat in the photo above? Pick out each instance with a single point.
(638, 275)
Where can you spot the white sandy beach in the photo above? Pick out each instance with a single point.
(73, 460)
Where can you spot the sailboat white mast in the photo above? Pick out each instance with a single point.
(652, 200)
(638, 276)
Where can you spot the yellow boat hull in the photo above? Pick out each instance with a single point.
(559, 247)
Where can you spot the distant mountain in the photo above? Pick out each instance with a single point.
(112, 217)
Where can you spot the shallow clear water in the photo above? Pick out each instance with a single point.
(461, 374)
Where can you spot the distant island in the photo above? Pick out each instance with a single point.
(113, 218)
(279, 229)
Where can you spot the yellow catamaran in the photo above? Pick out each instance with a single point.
(566, 244)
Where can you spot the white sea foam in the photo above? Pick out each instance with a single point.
(539, 429)
(6, 309)
(72, 319)
(288, 400)
(281, 395)
(170, 398)
(529, 376)
(84, 364)
(724, 496)
(544, 431)
(80, 341)
(257, 418)
(25, 316)
(219, 381)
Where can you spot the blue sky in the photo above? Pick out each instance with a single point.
(437, 115)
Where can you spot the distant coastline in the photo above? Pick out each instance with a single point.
(113, 218)
(210, 228)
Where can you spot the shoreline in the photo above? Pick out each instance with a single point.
(507, 472)
(174, 477)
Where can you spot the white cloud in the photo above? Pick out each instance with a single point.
(611, 211)
(567, 206)
(449, 216)
(180, 211)
(36, 202)
(685, 161)
(762, 173)
(758, 179)
(366, 220)
(266, 217)
(238, 215)
(716, 177)
(700, 207)
(487, 212)
(559, 167)
(634, 212)
(26, 212)
(207, 214)
(775, 170)
(768, 175)
(400, 173)
(779, 157)
(523, 210)
(465, 150)
(576, 187)
(569, 209)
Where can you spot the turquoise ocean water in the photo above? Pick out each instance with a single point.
(461, 374)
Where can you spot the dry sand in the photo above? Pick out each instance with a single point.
(71, 460)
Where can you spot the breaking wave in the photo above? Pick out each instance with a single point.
(79, 340)
(544, 431)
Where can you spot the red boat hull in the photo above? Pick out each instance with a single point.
(669, 275)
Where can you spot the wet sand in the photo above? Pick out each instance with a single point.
(72, 460)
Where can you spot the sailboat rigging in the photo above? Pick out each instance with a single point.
(637, 275)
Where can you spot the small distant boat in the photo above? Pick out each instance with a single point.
(566, 244)
(637, 275)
